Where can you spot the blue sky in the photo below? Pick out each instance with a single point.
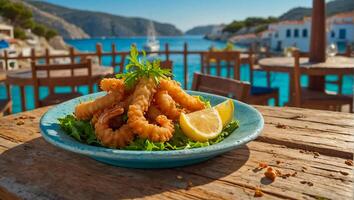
(186, 14)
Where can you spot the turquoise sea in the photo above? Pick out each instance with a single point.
(279, 80)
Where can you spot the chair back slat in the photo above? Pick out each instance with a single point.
(75, 74)
(63, 81)
(221, 86)
(231, 58)
(51, 67)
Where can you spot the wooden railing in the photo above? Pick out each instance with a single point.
(99, 53)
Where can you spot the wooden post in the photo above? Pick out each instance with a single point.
(33, 55)
(122, 59)
(72, 54)
(318, 41)
(35, 84)
(207, 60)
(8, 95)
(23, 100)
(47, 60)
(89, 62)
(218, 67)
(237, 65)
(167, 51)
(296, 96)
(99, 53)
(6, 62)
(202, 67)
(72, 60)
(185, 64)
(251, 62)
(114, 51)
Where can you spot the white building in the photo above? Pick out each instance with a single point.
(340, 30)
(6, 31)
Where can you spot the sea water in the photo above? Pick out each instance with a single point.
(278, 80)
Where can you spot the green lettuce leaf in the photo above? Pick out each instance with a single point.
(82, 131)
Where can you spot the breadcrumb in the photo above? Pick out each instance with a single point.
(281, 126)
(263, 165)
(270, 174)
(349, 162)
(20, 122)
(258, 193)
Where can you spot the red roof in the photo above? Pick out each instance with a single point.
(343, 15)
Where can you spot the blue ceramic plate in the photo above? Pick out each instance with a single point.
(251, 124)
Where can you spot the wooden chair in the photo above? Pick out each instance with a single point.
(230, 58)
(54, 76)
(221, 86)
(6, 104)
(260, 94)
(307, 98)
(253, 66)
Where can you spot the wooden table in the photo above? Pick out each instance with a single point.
(338, 65)
(23, 77)
(311, 147)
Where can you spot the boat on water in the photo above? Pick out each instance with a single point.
(152, 44)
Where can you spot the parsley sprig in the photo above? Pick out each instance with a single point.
(139, 68)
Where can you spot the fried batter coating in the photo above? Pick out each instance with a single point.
(109, 137)
(111, 84)
(153, 112)
(180, 96)
(142, 97)
(144, 129)
(115, 88)
(167, 105)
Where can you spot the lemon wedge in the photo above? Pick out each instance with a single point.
(226, 111)
(201, 125)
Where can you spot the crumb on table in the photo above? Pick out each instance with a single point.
(349, 162)
(270, 174)
(262, 165)
(258, 193)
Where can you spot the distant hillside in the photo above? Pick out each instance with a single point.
(332, 7)
(200, 30)
(66, 29)
(98, 24)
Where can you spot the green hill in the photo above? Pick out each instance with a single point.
(200, 30)
(332, 7)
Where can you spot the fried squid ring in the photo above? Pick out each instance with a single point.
(167, 105)
(109, 137)
(142, 97)
(180, 96)
(115, 89)
(144, 129)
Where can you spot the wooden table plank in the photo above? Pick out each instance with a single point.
(32, 168)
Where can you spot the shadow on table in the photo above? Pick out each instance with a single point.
(37, 169)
